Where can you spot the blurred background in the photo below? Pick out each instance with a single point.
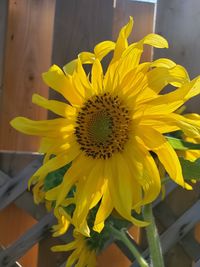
(36, 33)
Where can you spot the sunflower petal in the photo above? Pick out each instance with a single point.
(57, 80)
(103, 48)
(48, 128)
(166, 154)
(57, 107)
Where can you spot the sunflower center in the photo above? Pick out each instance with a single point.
(102, 126)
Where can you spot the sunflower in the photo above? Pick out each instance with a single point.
(112, 127)
(83, 255)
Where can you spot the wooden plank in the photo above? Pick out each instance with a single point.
(179, 22)
(26, 202)
(14, 222)
(11, 190)
(3, 20)
(143, 14)
(13, 162)
(79, 26)
(29, 239)
(16, 264)
(4, 178)
(191, 246)
(27, 54)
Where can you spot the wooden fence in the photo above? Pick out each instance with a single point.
(173, 230)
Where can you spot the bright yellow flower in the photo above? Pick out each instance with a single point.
(114, 121)
(83, 254)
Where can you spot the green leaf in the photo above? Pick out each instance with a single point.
(181, 144)
(191, 169)
(55, 178)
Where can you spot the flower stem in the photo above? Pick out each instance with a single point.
(153, 238)
(121, 236)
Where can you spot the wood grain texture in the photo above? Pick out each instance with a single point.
(178, 21)
(3, 20)
(79, 26)
(143, 15)
(27, 54)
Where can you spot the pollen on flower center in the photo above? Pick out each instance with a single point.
(102, 126)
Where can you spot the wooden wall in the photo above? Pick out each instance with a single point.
(28, 47)
(179, 22)
(26, 30)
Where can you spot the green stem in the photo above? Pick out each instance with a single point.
(121, 236)
(153, 238)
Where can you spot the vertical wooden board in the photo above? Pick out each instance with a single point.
(79, 26)
(113, 256)
(27, 54)
(143, 15)
(179, 22)
(13, 223)
(3, 16)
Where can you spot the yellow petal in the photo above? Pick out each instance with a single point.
(57, 107)
(103, 48)
(70, 67)
(48, 128)
(145, 169)
(81, 81)
(122, 42)
(97, 76)
(104, 211)
(170, 102)
(56, 79)
(86, 57)
(79, 168)
(155, 40)
(87, 190)
(117, 186)
(159, 77)
(163, 62)
(166, 154)
(132, 54)
(56, 163)
(72, 245)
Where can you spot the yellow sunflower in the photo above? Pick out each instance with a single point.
(111, 126)
(83, 255)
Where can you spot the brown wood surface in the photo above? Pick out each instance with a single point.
(13, 223)
(28, 49)
(3, 16)
(143, 15)
(27, 55)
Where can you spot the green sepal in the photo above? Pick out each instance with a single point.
(55, 178)
(191, 169)
(180, 144)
